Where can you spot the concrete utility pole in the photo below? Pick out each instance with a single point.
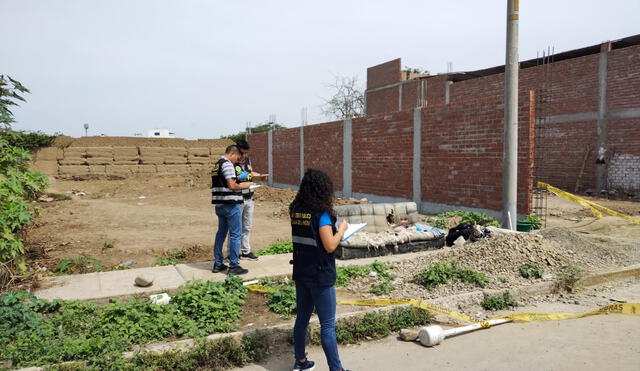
(510, 155)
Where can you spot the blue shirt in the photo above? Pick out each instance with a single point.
(325, 219)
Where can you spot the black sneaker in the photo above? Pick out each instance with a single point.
(304, 366)
(249, 256)
(237, 270)
(219, 268)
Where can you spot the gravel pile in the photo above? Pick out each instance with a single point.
(500, 258)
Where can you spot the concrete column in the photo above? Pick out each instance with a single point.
(270, 156)
(347, 139)
(417, 156)
(447, 91)
(301, 151)
(601, 146)
(400, 98)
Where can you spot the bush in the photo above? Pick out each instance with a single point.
(536, 221)
(498, 302)
(28, 140)
(442, 272)
(284, 247)
(531, 271)
(35, 331)
(18, 187)
(469, 217)
(283, 301)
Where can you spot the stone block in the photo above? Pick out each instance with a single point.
(99, 160)
(152, 160)
(73, 170)
(119, 169)
(124, 162)
(98, 169)
(144, 169)
(75, 152)
(175, 160)
(49, 153)
(177, 169)
(216, 152)
(100, 152)
(198, 152)
(45, 167)
(73, 161)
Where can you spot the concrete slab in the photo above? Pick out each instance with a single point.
(121, 283)
(81, 286)
(273, 265)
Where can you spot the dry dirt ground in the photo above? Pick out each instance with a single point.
(139, 219)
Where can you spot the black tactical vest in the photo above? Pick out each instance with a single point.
(220, 194)
(312, 264)
(247, 193)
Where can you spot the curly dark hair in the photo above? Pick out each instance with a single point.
(315, 193)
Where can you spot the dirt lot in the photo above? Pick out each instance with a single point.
(140, 219)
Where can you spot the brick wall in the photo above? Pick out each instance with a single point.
(462, 148)
(382, 154)
(323, 150)
(384, 74)
(574, 90)
(286, 156)
(259, 144)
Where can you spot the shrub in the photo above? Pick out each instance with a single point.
(536, 221)
(498, 302)
(442, 272)
(283, 247)
(470, 217)
(530, 271)
(81, 264)
(283, 301)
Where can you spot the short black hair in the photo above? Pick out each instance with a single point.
(243, 144)
(232, 149)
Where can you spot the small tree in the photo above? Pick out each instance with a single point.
(9, 96)
(347, 101)
(257, 129)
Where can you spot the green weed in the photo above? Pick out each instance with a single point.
(442, 220)
(531, 271)
(536, 221)
(283, 301)
(283, 247)
(569, 278)
(442, 272)
(499, 302)
(80, 264)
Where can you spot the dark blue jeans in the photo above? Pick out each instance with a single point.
(324, 300)
(229, 220)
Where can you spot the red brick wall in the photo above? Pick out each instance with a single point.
(462, 148)
(382, 101)
(382, 154)
(384, 74)
(623, 78)
(323, 150)
(286, 156)
(259, 159)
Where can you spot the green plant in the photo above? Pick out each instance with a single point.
(569, 278)
(283, 301)
(498, 302)
(27, 140)
(344, 274)
(108, 244)
(503, 279)
(375, 325)
(382, 288)
(80, 264)
(172, 257)
(10, 94)
(442, 272)
(214, 305)
(36, 332)
(531, 271)
(469, 217)
(536, 221)
(282, 247)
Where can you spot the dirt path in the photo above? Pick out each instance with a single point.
(603, 342)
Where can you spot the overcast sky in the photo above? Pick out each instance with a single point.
(204, 68)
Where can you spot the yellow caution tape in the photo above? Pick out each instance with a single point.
(595, 208)
(571, 197)
(632, 309)
(261, 289)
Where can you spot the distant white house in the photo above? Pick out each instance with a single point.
(160, 133)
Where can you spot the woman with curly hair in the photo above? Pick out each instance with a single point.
(315, 238)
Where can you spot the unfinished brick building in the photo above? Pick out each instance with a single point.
(587, 109)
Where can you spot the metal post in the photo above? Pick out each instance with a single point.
(510, 155)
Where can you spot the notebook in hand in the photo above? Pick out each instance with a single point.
(351, 230)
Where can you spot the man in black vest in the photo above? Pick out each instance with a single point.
(226, 194)
(245, 173)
